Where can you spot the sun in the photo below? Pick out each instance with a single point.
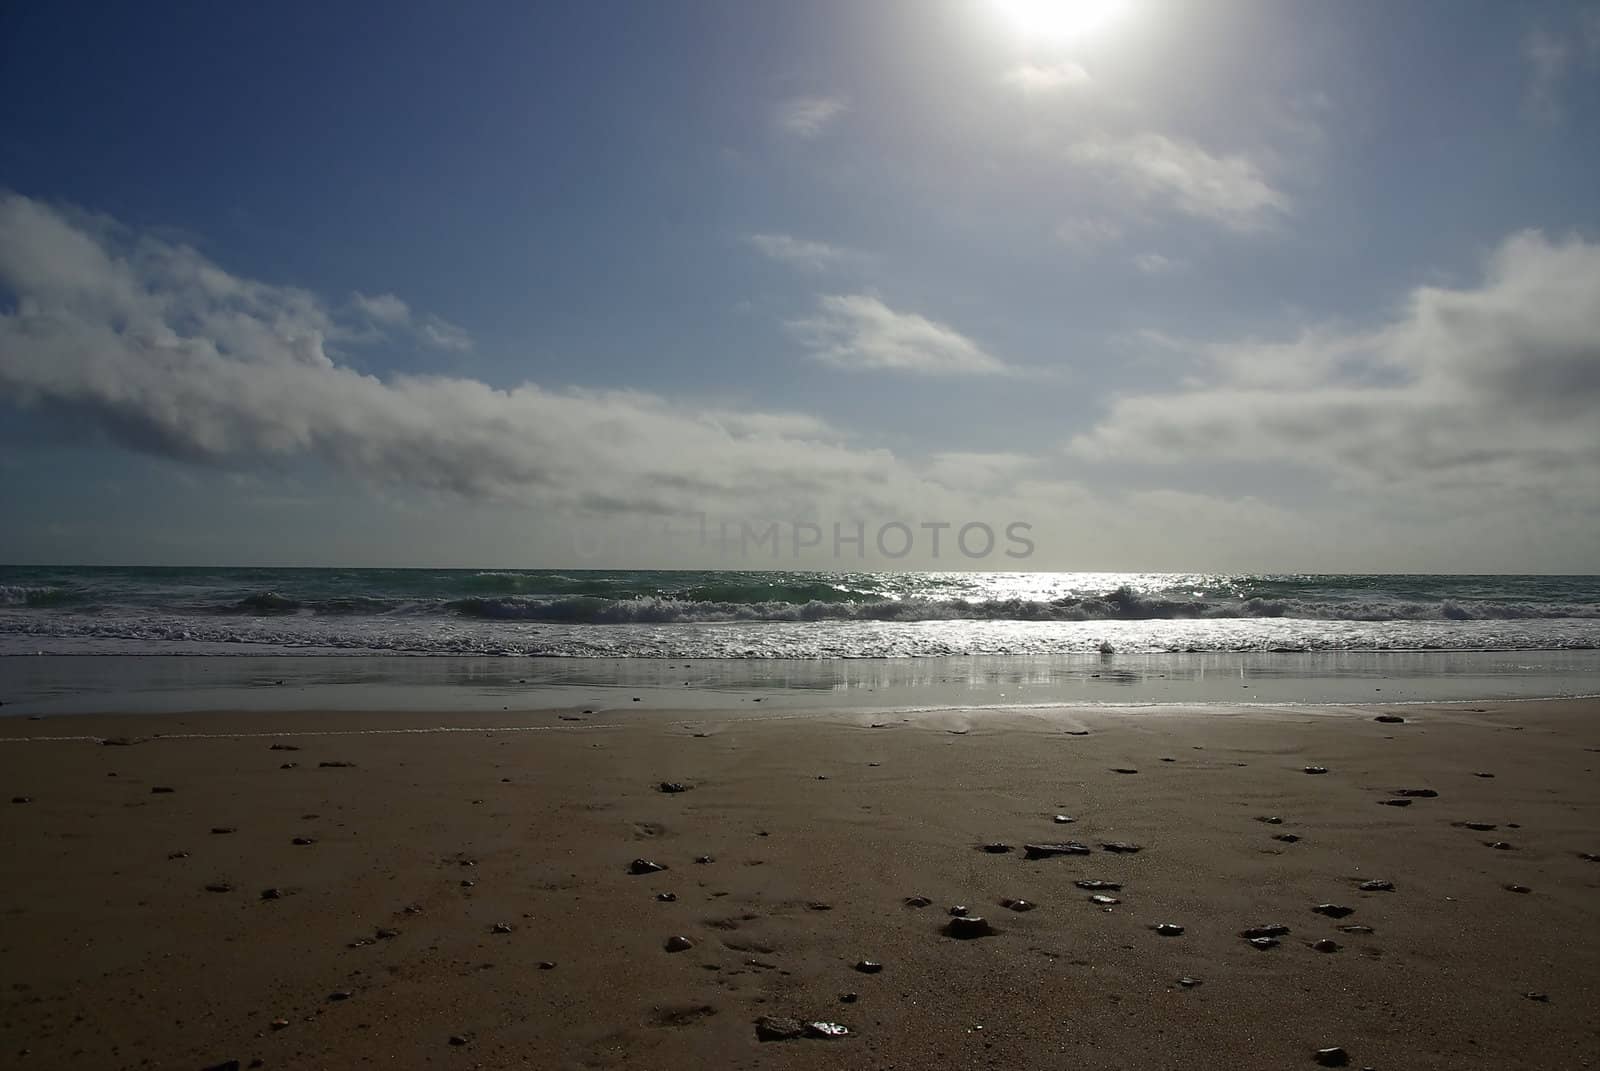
(1059, 21)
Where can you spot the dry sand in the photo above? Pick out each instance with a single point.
(116, 955)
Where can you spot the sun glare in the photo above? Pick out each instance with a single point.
(1059, 21)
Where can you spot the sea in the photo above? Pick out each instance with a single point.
(400, 637)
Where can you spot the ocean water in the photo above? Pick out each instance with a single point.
(788, 615)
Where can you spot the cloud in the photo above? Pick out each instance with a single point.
(382, 309)
(807, 117)
(444, 335)
(1549, 58)
(1473, 393)
(1047, 78)
(799, 252)
(1228, 190)
(858, 331)
(1154, 263)
(1087, 233)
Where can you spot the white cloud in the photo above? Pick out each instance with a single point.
(1474, 393)
(382, 308)
(1154, 263)
(1229, 190)
(1550, 57)
(799, 252)
(1087, 233)
(1047, 78)
(807, 117)
(444, 335)
(858, 331)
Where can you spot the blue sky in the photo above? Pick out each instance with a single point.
(1235, 285)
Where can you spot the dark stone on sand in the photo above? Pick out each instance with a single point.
(1542, 998)
(966, 927)
(1018, 905)
(458, 1039)
(303, 841)
(1264, 943)
(819, 905)
(224, 829)
(501, 927)
(1389, 719)
(121, 741)
(1356, 929)
(1045, 851)
(1394, 803)
(1480, 827)
(289, 766)
(959, 909)
(918, 901)
(869, 966)
(336, 764)
(778, 1028)
(1518, 889)
(160, 790)
(1077, 732)
(1590, 856)
(1062, 820)
(666, 897)
(704, 860)
(1168, 929)
(546, 965)
(1123, 770)
(272, 894)
(995, 848)
(1188, 983)
(1264, 931)
(678, 944)
(849, 998)
(1376, 885)
(21, 799)
(672, 786)
(1331, 1057)
(644, 866)
(1271, 820)
(411, 909)
(1121, 847)
(1316, 769)
(177, 855)
(1287, 838)
(1334, 911)
(284, 747)
(219, 886)
(385, 933)
(636, 699)
(819, 1029)
(1481, 773)
(339, 994)
(1326, 944)
(1417, 793)
(1103, 900)
(467, 883)
(1500, 845)
(1096, 883)
(1169, 760)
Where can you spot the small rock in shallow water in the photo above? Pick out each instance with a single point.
(1394, 803)
(1331, 1057)
(1018, 905)
(869, 966)
(1264, 943)
(1518, 889)
(644, 866)
(1389, 719)
(1356, 929)
(1287, 838)
(666, 897)
(672, 787)
(995, 848)
(1377, 885)
(289, 766)
(1122, 847)
(1316, 769)
(1264, 931)
(678, 944)
(1480, 827)
(918, 901)
(1417, 793)
(1123, 769)
(1168, 929)
(1104, 900)
(778, 1028)
(1481, 773)
(303, 841)
(966, 927)
(1333, 911)
(1096, 883)
(1500, 845)
(1062, 820)
(1045, 851)
(1271, 820)
(1326, 945)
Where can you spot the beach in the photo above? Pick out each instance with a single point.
(188, 928)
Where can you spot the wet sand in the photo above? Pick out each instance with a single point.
(116, 954)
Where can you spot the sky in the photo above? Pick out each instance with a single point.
(1245, 286)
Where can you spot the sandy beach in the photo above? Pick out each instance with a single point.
(140, 931)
